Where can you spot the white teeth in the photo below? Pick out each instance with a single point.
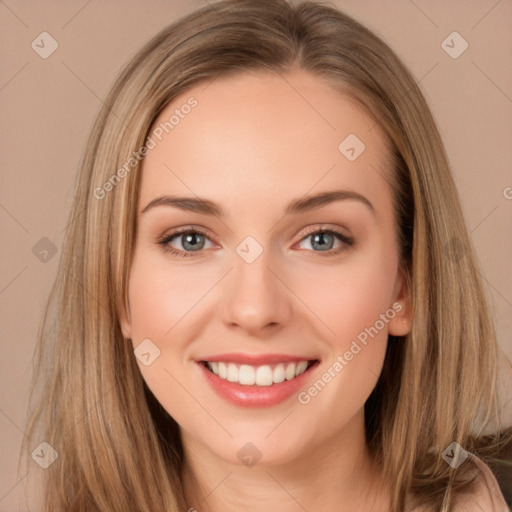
(290, 371)
(301, 368)
(223, 371)
(260, 375)
(264, 376)
(279, 375)
(232, 375)
(246, 375)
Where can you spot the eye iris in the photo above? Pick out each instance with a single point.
(319, 238)
(190, 241)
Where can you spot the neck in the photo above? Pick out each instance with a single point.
(337, 474)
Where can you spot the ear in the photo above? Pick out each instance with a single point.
(125, 321)
(400, 324)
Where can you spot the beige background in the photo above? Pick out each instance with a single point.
(48, 107)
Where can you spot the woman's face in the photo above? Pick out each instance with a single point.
(289, 261)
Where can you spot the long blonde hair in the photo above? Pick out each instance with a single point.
(118, 449)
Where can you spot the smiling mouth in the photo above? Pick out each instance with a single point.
(262, 375)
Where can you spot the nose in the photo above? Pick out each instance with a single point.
(256, 300)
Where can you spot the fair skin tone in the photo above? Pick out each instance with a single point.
(254, 143)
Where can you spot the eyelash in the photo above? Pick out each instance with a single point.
(164, 241)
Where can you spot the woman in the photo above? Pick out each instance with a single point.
(267, 294)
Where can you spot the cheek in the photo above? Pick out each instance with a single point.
(355, 310)
(349, 298)
(160, 303)
(354, 302)
(161, 297)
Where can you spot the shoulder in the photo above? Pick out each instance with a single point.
(484, 494)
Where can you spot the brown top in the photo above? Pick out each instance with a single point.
(485, 495)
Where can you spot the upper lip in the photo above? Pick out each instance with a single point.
(255, 359)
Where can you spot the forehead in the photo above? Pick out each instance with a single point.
(263, 134)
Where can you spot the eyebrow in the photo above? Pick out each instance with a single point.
(301, 205)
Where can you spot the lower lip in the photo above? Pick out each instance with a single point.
(255, 396)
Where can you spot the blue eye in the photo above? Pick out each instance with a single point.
(194, 240)
(322, 240)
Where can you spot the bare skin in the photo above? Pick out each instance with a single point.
(254, 143)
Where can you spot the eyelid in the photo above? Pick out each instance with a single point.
(315, 228)
(345, 239)
(183, 230)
